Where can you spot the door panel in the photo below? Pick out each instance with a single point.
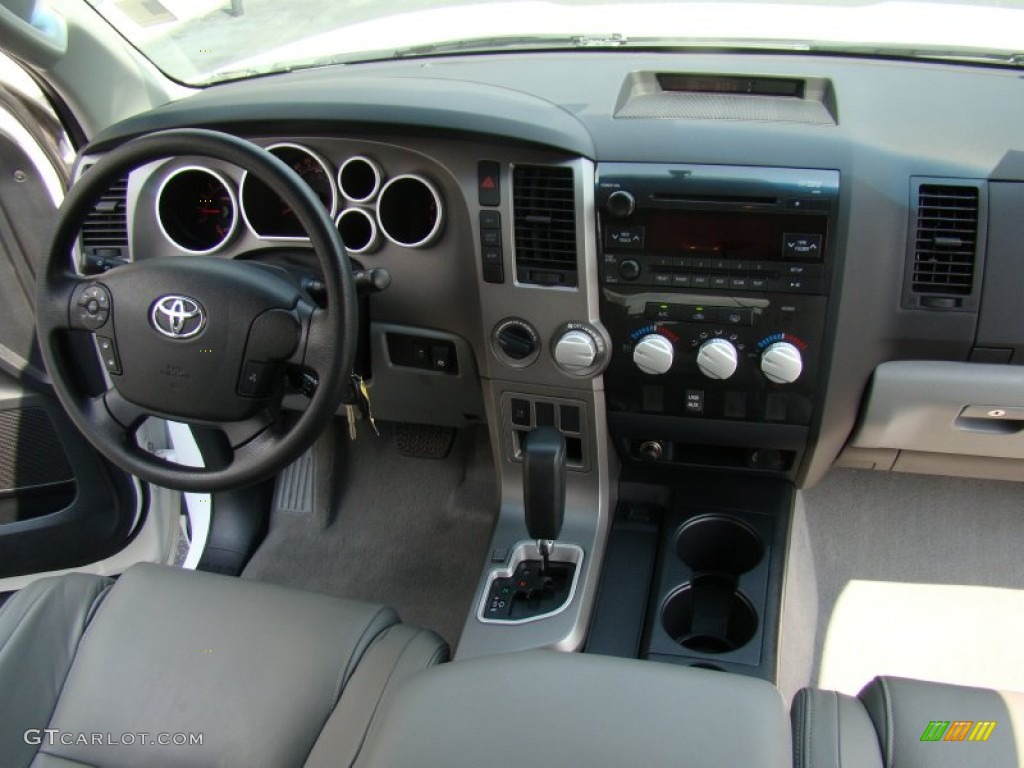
(61, 504)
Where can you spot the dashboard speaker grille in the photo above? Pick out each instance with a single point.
(106, 226)
(544, 209)
(947, 239)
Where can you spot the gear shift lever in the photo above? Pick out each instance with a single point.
(544, 486)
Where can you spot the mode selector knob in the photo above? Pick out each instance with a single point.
(621, 204)
(782, 363)
(717, 359)
(653, 354)
(575, 351)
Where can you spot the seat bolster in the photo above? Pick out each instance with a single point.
(396, 655)
(40, 628)
(902, 711)
(832, 730)
(252, 669)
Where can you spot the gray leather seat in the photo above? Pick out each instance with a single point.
(899, 723)
(92, 671)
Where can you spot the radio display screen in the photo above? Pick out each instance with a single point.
(736, 235)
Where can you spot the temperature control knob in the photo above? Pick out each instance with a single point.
(575, 351)
(781, 363)
(717, 359)
(653, 354)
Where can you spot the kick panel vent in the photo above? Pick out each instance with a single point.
(544, 209)
(106, 226)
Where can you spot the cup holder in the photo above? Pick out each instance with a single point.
(709, 615)
(718, 544)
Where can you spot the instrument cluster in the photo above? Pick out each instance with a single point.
(200, 210)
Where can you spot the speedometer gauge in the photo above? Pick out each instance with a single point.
(266, 213)
(196, 209)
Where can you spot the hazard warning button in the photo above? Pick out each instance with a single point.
(489, 182)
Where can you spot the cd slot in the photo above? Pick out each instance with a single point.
(743, 200)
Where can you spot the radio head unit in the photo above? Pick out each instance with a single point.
(714, 227)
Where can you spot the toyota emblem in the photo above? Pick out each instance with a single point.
(178, 317)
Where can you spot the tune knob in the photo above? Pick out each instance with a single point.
(629, 269)
(717, 359)
(575, 351)
(621, 204)
(782, 363)
(653, 354)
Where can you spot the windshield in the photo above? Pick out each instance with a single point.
(202, 41)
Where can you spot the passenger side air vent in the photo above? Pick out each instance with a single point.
(544, 209)
(945, 247)
(105, 231)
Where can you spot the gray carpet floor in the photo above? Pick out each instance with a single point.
(406, 532)
(908, 567)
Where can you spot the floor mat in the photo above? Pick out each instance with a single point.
(407, 532)
(909, 575)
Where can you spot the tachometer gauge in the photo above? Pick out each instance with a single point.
(266, 213)
(196, 209)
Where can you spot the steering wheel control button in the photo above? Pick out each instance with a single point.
(257, 379)
(93, 307)
(489, 183)
(177, 317)
(108, 353)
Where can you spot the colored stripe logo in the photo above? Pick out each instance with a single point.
(958, 730)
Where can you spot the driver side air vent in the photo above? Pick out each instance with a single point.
(946, 244)
(544, 209)
(106, 226)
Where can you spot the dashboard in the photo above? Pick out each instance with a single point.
(761, 263)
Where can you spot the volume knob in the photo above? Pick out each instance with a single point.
(621, 204)
(653, 354)
(782, 363)
(717, 359)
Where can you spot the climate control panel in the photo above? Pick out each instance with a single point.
(738, 358)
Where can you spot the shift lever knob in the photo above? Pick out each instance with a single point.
(544, 482)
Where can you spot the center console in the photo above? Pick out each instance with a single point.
(715, 284)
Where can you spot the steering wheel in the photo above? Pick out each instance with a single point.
(195, 339)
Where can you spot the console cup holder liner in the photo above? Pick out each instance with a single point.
(711, 589)
(719, 544)
(709, 616)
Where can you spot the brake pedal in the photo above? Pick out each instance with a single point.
(424, 441)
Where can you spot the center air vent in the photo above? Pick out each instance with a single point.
(545, 225)
(105, 231)
(946, 244)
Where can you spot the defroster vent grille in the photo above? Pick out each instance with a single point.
(544, 204)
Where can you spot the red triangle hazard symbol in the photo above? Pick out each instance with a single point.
(487, 183)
